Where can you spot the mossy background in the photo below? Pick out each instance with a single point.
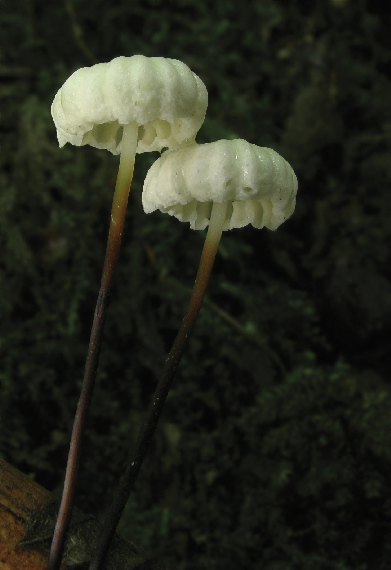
(273, 452)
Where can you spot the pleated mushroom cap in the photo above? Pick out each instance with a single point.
(258, 184)
(162, 96)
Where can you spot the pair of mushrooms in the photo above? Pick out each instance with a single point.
(138, 104)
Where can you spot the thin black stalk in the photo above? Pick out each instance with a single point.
(135, 458)
(118, 211)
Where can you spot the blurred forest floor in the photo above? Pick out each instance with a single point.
(273, 452)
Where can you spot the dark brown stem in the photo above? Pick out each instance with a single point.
(135, 458)
(118, 212)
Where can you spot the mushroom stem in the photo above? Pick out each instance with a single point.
(211, 244)
(118, 211)
(135, 458)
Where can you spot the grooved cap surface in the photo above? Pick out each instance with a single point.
(162, 96)
(259, 185)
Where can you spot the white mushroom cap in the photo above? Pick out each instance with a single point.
(163, 96)
(258, 184)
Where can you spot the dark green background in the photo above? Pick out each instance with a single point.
(273, 452)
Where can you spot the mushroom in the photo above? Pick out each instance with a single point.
(127, 106)
(225, 184)
(160, 100)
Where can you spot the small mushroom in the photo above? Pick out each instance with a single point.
(159, 99)
(223, 185)
(127, 106)
(245, 183)
(226, 184)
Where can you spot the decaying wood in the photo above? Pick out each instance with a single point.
(19, 496)
(27, 518)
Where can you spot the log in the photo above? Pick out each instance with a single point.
(27, 518)
(19, 497)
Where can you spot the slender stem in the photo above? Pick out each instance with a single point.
(118, 211)
(135, 459)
